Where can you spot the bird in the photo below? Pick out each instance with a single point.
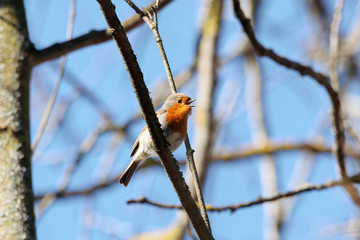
(173, 116)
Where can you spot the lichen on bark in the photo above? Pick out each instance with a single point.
(16, 196)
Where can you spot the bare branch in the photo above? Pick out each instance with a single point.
(160, 144)
(260, 200)
(303, 70)
(334, 61)
(52, 99)
(219, 156)
(83, 192)
(91, 38)
(207, 79)
(153, 25)
(86, 146)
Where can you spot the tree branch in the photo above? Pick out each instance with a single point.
(334, 77)
(303, 70)
(222, 155)
(260, 200)
(159, 141)
(51, 102)
(93, 37)
(153, 25)
(86, 146)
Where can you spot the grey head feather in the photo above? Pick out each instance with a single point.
(172, 99)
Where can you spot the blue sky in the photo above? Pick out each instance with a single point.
(293, 107)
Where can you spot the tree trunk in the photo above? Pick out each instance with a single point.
(16, 196)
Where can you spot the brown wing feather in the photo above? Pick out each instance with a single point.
(136, 144)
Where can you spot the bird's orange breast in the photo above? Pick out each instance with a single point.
(176, 118)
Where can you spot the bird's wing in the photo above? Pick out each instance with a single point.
(136, 144)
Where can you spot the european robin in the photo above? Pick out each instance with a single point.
(173, 117)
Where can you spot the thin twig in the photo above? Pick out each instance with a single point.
(204, 115)
(245, 152)
(260, 200)
(333, 63)
(54, 93)
(153, 25)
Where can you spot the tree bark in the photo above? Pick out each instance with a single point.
(16, 195)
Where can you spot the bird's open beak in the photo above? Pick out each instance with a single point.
(189, 102)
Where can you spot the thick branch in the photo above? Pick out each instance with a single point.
(160, 145)
(153, 25)
(91, 38)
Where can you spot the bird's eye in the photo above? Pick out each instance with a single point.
(179, 101)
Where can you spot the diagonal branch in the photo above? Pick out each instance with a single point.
(93, 37)
(153, 25)
(159, 142)
(303, 70)
(50, 105)
(86, 146)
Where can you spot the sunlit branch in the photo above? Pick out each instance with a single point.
(93, 37)
(160, 145)
(220, 155)
(152, 22)
(260, 200)
(205, 131)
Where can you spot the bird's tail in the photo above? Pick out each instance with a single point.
(129, 172)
